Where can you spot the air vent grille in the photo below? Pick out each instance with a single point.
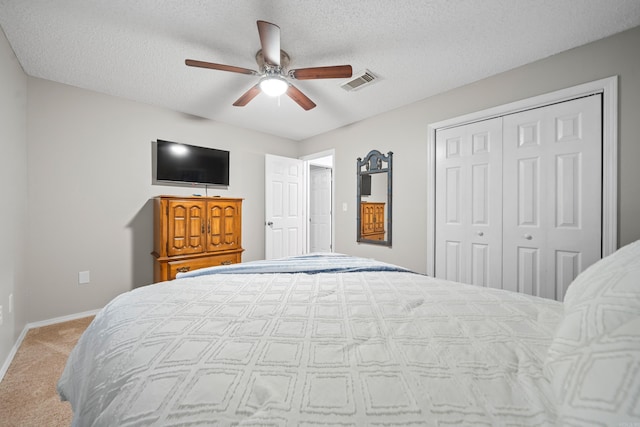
(363, 78)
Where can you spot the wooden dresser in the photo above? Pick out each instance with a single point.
(195, 232)
(372, 220)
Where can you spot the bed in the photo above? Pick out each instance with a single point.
(333, 340)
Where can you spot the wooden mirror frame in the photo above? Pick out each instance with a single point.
(375, 163)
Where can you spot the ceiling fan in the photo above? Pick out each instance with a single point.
(274, 75)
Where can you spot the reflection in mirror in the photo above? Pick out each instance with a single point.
(374, 198)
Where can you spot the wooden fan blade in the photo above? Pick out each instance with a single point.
(334, 72)
(247, 96)
(300, 98)
(221, 67)
(270, 41)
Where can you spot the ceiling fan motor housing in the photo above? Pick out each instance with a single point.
(284, 61)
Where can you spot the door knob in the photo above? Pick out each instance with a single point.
(480, 233)
(270, 223)
(528, 236)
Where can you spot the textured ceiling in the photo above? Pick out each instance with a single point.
(418, 48)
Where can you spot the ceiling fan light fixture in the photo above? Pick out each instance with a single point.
(273, 85)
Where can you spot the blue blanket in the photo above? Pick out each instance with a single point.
(309, 264)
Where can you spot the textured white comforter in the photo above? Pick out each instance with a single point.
(346, 349)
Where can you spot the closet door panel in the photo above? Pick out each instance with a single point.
(528, 280)
(453, 194)
(527, 192)
(480, 194)
(468, 208)
(552, 205)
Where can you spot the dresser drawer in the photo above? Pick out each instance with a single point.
(183, 266)
(373, 236)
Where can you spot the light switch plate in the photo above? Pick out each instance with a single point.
(83, 277)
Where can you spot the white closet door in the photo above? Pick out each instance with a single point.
(552, 195)
(469, 203)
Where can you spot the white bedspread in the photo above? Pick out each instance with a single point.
(345, 349)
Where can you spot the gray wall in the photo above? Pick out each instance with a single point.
(404, 131)
(90, 185)
(13, 187)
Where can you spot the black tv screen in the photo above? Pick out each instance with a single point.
(365, 185)
(178, 162)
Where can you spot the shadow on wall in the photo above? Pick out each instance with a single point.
(142, 244)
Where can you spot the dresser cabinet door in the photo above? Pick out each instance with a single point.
(224, 226)
(378, 218)
(367, 214)
(186, 227)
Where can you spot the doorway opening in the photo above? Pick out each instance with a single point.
(299, 204)
(319, 201)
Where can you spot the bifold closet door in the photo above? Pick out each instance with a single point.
(469, 203)
(552, 166)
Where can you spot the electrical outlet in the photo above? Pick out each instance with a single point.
(0, 315)
(10, 303)
(83, 277)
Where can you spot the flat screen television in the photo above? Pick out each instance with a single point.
(189, 164)
(365, 185)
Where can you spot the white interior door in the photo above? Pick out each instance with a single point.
(552, 200)
(284, 207)
(468, 203)
(319, 209)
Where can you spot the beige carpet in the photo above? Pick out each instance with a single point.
(28, 395)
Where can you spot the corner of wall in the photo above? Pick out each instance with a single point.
(13, 187)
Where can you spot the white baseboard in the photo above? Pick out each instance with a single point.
(61, 319)
(28, 326)
(12, 353)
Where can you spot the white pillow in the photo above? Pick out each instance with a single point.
(593, 363)
(599, 383)
(601, 298)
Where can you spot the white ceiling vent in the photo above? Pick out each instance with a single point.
(360, 80)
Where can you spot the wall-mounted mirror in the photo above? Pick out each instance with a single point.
(374, 198)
